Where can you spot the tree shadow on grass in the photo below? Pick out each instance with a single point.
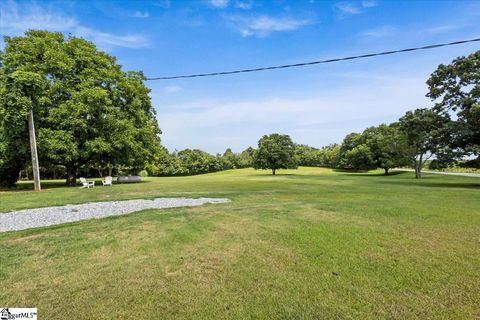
(432, 183)
(28, 186)
(371, 174)
(268, 173)
(49, 184)
(349, 170)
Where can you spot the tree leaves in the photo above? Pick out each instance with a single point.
(456, 87)
(87, 109)
(275, 152)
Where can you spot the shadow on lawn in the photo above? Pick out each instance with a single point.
(432, 183)
(276, 175)
(49, 184)
(367, 174)
(28, 186)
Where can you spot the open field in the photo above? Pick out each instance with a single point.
(306, 244)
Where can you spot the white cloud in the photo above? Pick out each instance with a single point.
(352, 8)
(262, 26)
(246, 5)
(316, 119)
(162, 3)
(16, 19)
(369, 3)
(141, 15)
(440, 29)
(108, 40)
(221, 4)
(172, 89)
(380, 32)
(348, 8)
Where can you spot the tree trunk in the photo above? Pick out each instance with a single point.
(110, 170)
(71, 176)
(386, 171)
(418, 170)
(273, 171)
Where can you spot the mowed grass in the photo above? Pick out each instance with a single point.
(306, 244)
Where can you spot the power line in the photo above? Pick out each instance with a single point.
(432, 46)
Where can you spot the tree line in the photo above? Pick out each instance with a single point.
(95, 119)
(442, 134)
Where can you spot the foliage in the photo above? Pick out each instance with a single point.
(388, 146)
(198, 161)
(456, 87)
(88, 113)
(275, 152)
(354, 154)
(330, 156)
(307, 156)
(18, 95)
(426, 134)
(230, 160)
(192, 162)
(245, 158)
(359, 157)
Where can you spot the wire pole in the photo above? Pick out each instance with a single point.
(33, 150)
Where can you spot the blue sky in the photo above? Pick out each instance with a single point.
(315, 105)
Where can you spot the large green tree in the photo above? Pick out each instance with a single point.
(275, 151)
(426, 133)
(359, 158)
(388, 146)
(354, 154)
(88, 111)
(456, 87)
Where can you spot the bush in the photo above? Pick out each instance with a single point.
(143, 173)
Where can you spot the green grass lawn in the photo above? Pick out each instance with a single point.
(306, 244)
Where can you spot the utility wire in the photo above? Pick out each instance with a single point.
(433, 46)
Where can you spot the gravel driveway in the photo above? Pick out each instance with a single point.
(40, 217)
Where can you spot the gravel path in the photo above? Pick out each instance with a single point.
(40, 217)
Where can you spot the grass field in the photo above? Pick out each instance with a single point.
(306, 244)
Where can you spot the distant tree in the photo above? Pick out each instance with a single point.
(359, 158)
(456, 87)
(426, 134)
(230, 159)
(275, 152)
(354, 154)
(388, 146)
(166, 164)
(89, 112)
(308, 156)
(245, 159)
(330, 156)
(195, 161)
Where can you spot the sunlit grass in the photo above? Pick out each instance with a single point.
(311, 243)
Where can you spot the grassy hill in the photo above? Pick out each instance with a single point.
(307, 243)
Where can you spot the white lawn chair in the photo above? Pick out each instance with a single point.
(108, 181)
(86, 184)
